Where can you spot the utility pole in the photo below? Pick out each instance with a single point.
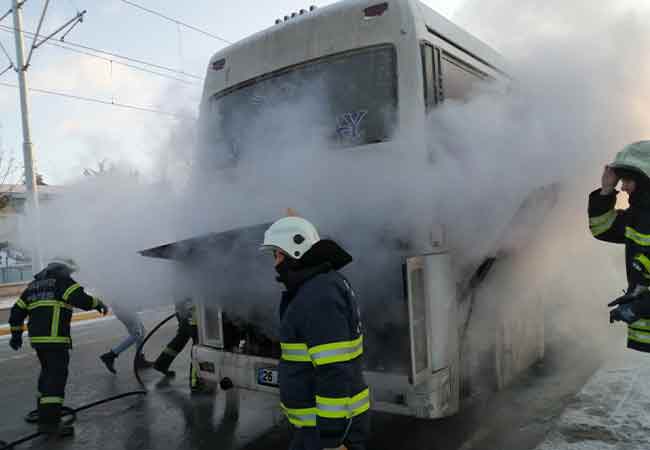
(21, 67)
(28, 151)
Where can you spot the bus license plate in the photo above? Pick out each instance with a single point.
(267, 377)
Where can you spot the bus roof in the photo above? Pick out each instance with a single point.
(330, 30)
(444, 29)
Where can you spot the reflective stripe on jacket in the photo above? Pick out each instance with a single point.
(630, 227)
(321, 378)
(48, 302)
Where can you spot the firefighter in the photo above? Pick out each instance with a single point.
(129, 318)
(322, 389)
(48, 301)
(631, 227)
(187, 329)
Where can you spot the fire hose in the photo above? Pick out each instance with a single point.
(144, 341)
(32, 416)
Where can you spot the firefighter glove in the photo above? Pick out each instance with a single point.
(622, 300)
(16, 341)
(624, 313)
(101, 307)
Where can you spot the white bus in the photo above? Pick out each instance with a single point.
(384, 66)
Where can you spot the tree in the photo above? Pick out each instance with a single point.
(103, 167)
(107, 167)
(9, 177)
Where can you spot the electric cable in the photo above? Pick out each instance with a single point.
(102, 102)
(144, 341)
(130, 66)
(4, 50)
(10, 29)
(176, 21)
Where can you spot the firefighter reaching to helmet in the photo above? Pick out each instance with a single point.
(322, 388)
(632, 228)
(48, 302)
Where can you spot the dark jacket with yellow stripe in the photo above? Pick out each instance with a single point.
(321, 379)
(186, 312)
(48, 302)
(632, 228)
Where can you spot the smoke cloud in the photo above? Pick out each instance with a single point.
(579, 93)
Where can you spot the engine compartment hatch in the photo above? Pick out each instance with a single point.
(249, 238)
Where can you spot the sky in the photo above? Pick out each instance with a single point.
(70, 135)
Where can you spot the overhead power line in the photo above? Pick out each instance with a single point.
(176, 21)
(130, 66)
(4, 50)
(103, 102)
(109, 53)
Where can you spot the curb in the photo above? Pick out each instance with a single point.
(78, 317)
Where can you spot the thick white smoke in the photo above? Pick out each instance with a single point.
(579, 92)
(581, 85)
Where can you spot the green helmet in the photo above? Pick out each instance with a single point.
(635, 158)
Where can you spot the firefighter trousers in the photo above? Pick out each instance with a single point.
(51, 383)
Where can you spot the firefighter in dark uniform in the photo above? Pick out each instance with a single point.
(48, 302)
(630, 227)
(322, 389)
(187, 329)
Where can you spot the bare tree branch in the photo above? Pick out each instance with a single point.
(103, 167)
(9, 174)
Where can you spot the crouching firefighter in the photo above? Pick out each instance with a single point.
(322, 388)
(632, 228)
(48, 301)
(187, 329)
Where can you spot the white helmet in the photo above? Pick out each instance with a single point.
(68, 263)
(293, 235)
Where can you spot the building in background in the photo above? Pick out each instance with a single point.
(15, 264)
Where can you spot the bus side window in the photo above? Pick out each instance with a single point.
(430, 67)
(459, 80)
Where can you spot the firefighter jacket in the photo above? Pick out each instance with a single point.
(48, 301)
(632, 228)
(320, 371)
(186, 312)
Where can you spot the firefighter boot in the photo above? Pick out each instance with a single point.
(109, 360)
(141, 362)
(56, 429)
(49, 421)
(162, 364)
(164, 371)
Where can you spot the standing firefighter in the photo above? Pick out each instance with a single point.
(187, 329)
(632, 228)
(322, 389)
(48, 301)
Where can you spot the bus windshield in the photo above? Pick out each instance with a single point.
(346, 100)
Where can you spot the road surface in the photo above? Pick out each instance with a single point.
(170, 418)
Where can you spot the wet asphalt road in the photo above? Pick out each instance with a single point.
(170, 418)
(167, 418)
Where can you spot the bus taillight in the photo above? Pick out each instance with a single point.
(376, 10)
